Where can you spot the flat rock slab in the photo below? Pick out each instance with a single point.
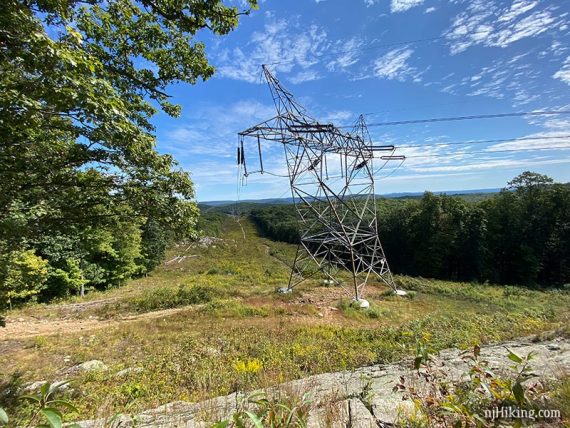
(361, 398)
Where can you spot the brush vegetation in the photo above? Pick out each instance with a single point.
(223, 328)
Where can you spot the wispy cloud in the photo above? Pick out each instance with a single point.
(212, 131)
(516, 79)
(304, 76)
(539, 141)
(564, 73)
(397, 6)
(485, 22)
(394, 65)
(491, 163)
(338, 116)
(347, 54)
(285, 45)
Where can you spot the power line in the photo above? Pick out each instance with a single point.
(439, 155)
(458, 118)
(501, 140)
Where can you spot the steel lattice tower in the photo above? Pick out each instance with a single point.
(338, 227)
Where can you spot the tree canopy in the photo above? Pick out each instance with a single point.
(83, 186)
(518, 236)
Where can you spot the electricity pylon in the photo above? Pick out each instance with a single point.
(331, 175)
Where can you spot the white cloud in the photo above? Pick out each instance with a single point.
(205, 144)
(531, 26)
(430, 10)
(212, 130)
(397, 6)
(564, 73)
(338, 116)
(516, 79)
(283, 45)
(304, 76)
(347, 52)
(394, 65)
(485, 22)
(495, 163)
(538, 141)
(518, 7)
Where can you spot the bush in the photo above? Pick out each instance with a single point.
(23, 274)
(170, 297)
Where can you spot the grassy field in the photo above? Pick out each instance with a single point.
(212, 323)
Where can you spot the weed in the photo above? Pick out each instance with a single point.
(439, 403)
(561, 396)
(263, 412)
(40, 342)
(232, 309)
(350, 310)
(170, 297)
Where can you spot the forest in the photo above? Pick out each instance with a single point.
(518, 236)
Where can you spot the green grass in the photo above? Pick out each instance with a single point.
(561, 397)
(229, 313)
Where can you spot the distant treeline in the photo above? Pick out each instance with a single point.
(518, 236)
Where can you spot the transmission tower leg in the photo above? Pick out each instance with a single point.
(292, 281)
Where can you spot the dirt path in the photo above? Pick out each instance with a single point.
(268, 252)
(18, 329)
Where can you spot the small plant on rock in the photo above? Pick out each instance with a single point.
(258, 411)
(48, 410)
(472, 402)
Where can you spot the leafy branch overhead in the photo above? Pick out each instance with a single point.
(82, 184)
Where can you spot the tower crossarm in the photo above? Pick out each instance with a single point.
(325, 138)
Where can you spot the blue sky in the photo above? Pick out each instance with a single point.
(392, 60)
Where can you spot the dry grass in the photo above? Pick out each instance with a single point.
(229, 313)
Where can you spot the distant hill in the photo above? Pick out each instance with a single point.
(401, 195)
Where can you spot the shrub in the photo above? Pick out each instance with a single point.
(171, 297)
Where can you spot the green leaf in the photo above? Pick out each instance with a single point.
(418, 362)
(66, 404)
(479, 419)
(44, 390)
(239, 423)
(3, 416)
(518, 392)
(53, 416)
(35, 398)
(222, 424)
(255, 419)
(514, 357)
(451, 408)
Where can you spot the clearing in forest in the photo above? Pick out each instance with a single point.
(209, 323)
